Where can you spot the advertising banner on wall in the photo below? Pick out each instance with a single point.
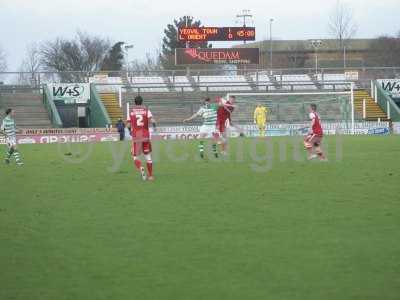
(396, 127)
(95, 137)
(70, 93)
(49, 136)
(236, 56)
(391, 87)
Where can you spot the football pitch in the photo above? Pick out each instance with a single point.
(78, 223)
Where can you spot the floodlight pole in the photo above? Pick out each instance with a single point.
(316, 44)
(244, 14)
(187, 45)
(127, 48)
(352, 108)
(270, 44)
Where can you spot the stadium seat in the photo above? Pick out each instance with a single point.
(332, 81)
(297, 81)
(110, 85)
(181, 82)
(223, 83)
(153, 84)
(263, 83)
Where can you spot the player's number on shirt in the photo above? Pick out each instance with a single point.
(139, 120)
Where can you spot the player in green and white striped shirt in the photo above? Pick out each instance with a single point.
(10, 131)
(208, 130)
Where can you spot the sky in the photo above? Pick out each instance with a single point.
(141, 22)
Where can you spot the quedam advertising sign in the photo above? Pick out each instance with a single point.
(236, 56)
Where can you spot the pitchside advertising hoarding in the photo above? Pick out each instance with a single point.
(236, 56)
(200, 34)
(391, 87)
(70, 93)
(193, 132)
(65, 138)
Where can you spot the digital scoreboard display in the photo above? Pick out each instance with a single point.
(234, 56)
(199, 34)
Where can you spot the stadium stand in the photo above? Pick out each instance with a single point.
(297, 82)
(373, 110)
(112, 84)
(149, 84)
(29, 108)
(263, 82)
(223, 83)
(332, 81)
(111, 103)
(180, 83)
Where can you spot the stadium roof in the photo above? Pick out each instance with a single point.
(327, 45)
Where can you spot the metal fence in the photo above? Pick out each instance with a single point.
(36, 79)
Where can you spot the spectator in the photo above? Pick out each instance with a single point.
(121, 129)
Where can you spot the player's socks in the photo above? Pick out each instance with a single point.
(223, 148)
(214, 148)
(17, 157)
(143, 173)
(137, 162)
(201, 149)
(150, 168)
(149, 164)
(8, 156)
(321, 156)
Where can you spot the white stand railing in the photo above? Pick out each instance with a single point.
(120, 96)
(372, 89)
(352, 108)
(364, 109)
(127, 110)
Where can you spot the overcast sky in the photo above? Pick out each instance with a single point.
(141, 22)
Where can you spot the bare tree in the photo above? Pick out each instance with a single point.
(384, 51)
(30, 65)
(296, 55)
(150, 63)
(342, 24)
(3, 60)
(85, 53)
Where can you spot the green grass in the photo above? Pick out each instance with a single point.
(203, 229)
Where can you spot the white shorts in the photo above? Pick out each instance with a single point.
(11, 142)
(208, 131)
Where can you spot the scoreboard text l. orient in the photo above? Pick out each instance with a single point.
(216, 34)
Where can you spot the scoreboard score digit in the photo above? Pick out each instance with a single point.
(200, 34)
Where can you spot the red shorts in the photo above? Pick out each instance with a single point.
(139, 147)
(222, 125)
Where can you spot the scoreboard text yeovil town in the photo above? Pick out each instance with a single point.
(217, 34)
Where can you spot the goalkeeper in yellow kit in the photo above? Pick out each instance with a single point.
(260, 118)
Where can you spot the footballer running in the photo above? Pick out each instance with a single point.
(312, 142)
(8, 128)
(208, 111)
(224, 120)
(139, 118)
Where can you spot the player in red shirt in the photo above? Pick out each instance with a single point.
(224, 119)
(139, 118)
(314, 138)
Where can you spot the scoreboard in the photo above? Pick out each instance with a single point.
(200, 34)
